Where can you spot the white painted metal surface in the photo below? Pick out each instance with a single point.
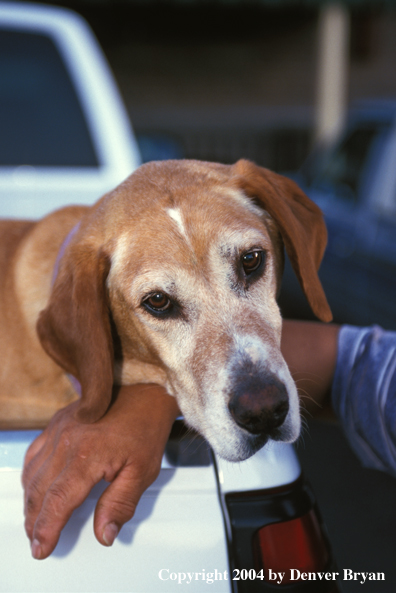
(178, 529)
(274, 465)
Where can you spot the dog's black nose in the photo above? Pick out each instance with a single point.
(260, 409)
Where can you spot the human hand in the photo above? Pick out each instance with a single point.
(62, 465)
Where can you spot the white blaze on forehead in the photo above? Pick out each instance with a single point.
(121, 253)
(175, 215)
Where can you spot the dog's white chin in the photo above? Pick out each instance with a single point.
(241, 445)
(246, 448)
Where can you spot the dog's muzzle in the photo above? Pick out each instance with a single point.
(260, 405)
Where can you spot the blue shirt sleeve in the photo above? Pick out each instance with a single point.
(364, 394)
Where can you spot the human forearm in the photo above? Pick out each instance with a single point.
(310, 350)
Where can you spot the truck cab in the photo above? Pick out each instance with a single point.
(65, 135)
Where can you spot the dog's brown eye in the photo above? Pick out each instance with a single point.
(251, 261)
(158, 301)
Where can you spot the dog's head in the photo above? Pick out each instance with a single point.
(178, 269)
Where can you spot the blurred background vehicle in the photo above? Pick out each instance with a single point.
(353, 180)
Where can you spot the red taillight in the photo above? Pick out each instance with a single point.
(297, 544)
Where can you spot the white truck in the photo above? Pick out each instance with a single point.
(204, 524)
(65, 133)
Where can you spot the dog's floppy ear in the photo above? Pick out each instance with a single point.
(300, 223)
(75, 329)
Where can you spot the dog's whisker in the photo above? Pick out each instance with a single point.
(304, 432)
(304, 398)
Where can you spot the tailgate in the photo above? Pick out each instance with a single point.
(178, 529)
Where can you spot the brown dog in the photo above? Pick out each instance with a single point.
(171, 278)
